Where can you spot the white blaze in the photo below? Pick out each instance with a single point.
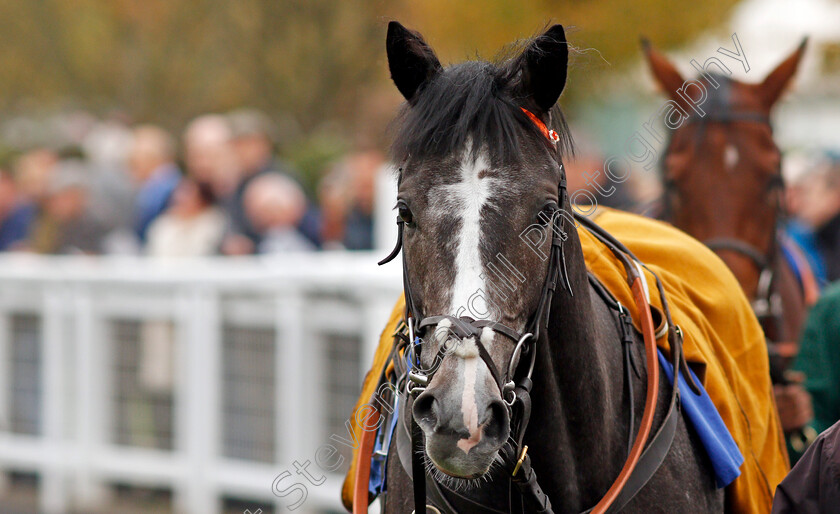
(468, 197)
(469, 408)
(730, 157)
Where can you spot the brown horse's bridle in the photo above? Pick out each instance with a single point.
(766, 302)
(646, 453)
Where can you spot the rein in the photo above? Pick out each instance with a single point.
(515, 385)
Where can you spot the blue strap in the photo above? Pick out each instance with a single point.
(724, 454)
(379, 464)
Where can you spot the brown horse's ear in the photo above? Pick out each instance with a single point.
(544, 66)
(665, 73)
(776, 82)
(411, 61)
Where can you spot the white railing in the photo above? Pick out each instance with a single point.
(266, 358)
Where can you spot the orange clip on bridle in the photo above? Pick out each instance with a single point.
(549, 134)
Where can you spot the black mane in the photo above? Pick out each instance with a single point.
(473, 99)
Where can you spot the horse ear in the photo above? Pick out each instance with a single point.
(411, 61)
(545, 62)
(776, 82)
(665, 73)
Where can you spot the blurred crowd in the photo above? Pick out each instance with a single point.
(216, 188)
(813, 204)
(219, 187)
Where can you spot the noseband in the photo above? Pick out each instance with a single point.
(767, 304)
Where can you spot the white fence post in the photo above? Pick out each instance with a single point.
(90, 362)
(199, 407)
(54, 491)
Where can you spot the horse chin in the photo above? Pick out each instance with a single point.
(463, 467)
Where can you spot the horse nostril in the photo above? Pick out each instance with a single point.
(424, 410)
(497, 425)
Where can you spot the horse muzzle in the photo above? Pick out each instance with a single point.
(461, 440)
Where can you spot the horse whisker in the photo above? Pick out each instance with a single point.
(460, 484)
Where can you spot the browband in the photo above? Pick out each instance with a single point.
(549, 134)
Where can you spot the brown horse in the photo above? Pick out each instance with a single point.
(723, 185)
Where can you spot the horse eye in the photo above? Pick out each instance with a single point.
(547, 213)
(405, 214)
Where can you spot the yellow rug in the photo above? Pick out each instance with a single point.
(720, 331)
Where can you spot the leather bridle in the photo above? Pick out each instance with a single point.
(766, 303)
(514, 387)
(645, 454)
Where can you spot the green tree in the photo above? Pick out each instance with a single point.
(319, 61)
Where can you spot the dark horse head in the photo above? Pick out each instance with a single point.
(722, 166)
(491, 256)
(475, 173)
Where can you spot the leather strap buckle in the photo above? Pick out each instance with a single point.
(520, 461)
